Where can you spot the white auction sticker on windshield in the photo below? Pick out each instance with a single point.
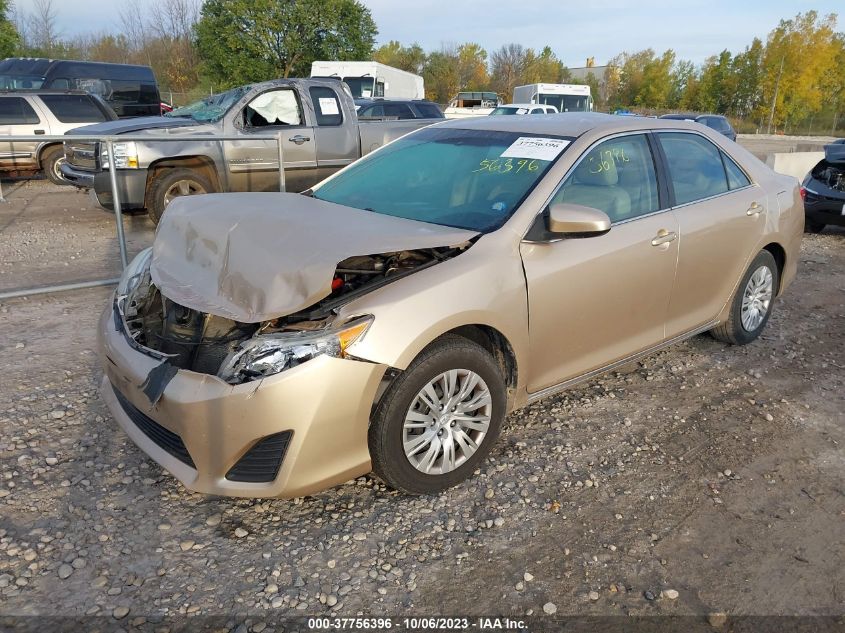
(536, 148)
(328, 106)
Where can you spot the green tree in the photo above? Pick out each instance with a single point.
(471, 60)
(747, 70)
(411, 58)
(254, 40)
(717, 84)
(9, 37)
(542, 68)
(441, 76)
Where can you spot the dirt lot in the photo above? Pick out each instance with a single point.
(715, 472)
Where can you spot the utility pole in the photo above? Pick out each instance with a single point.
(775, 98)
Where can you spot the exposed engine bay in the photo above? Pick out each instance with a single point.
(201, 342)
(831, 175)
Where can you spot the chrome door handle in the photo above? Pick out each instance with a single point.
(299, 139)
(755, 209)
(664, 237)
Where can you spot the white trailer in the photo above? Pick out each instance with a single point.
(565, 97)
(372, 79)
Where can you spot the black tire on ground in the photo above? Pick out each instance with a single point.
(189, 181)
(732, 330)
(51, 159)
(813, 227)
(386, 426)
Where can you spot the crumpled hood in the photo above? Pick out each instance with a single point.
(253, 257)
(137, 124)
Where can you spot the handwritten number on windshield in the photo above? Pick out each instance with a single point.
(499, 166)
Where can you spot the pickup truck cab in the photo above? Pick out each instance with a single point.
(316, 120)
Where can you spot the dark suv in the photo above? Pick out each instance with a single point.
(714, 121)
(397, 108)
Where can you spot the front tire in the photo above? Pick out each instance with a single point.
(51, 162)
(173, 183)
(752, 302)
(439, 419)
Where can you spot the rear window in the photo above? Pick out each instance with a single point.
(428, 111)
(16, 111)
(74, 108)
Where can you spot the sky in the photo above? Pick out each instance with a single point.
(694, 29)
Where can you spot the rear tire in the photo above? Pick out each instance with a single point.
(51, 161)
(813, 227)
(171, 183)
(461, 433)
(752, 302)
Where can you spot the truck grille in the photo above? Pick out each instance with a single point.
(82, 155)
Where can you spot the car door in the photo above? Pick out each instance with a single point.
(721, 215)
(18, 117)
(596, 300)
(254, 164)
(336, 137)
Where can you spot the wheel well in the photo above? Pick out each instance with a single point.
(494, 342)
(779, 254)
(45, 149)
(202, 164)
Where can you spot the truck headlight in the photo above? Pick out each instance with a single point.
(134, 272)
(125, 156)
(268, 354)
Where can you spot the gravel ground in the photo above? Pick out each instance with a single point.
(703, 479)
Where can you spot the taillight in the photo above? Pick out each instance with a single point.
(803, 193)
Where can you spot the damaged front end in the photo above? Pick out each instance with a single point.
(238, 352)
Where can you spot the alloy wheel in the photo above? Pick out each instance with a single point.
(756, 299)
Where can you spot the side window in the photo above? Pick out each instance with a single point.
(379, 89)
(273, 108)
(736, 177)
(695, 166)
(16, 111)
(326, 106)
(74, 108)
(617, 177)
(538, 111)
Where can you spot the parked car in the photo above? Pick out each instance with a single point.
(713, 121)
(130, 90)
(278, 344)
(315, 118)
(523, 108)
(47, 112)
(397, 109)
(823, 190)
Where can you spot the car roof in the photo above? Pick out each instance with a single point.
(38, 91)
(524, 105)
(371, 100)
(566, 123)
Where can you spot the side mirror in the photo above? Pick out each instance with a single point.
(575, 219)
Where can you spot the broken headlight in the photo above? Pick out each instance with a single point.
(134, 272)
(268, 354)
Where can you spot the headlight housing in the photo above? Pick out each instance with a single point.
(268, 354)
(134, 272)
(125, 155)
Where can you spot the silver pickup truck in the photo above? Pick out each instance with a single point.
(316, 119)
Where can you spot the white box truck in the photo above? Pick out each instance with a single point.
(565, 97)
(372, 79)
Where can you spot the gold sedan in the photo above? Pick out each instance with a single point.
(273, 345)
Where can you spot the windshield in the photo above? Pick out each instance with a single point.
(469, 179)
(20, 82)
(212, 108)
(566, 103)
